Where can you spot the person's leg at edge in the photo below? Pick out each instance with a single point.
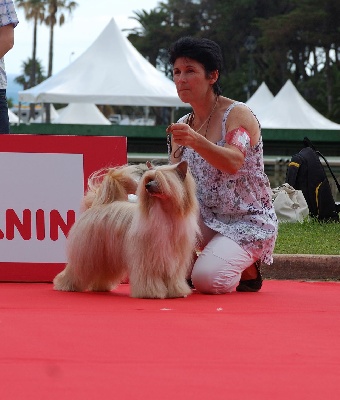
(218, 268)
(4, 122)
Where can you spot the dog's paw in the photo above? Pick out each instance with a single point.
(62, 283)
(179, 289)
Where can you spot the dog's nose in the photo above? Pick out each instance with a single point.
(148, 186)
(151, 187)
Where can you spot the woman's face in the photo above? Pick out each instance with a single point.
(191, 79)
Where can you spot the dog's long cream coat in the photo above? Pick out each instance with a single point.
(151, 241)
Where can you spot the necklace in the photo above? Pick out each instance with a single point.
(190, 121)
(207, 121)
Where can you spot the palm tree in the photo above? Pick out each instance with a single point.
(25, 78)
(34, 10)
(55, 15)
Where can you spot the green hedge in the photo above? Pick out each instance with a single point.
(288, 135)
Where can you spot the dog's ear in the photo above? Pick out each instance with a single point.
(149, 165)
(182, 169)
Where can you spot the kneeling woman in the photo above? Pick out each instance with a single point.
(221, 140)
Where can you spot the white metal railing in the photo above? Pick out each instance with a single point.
(275, 166)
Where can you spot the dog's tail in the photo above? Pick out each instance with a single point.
(111, 184)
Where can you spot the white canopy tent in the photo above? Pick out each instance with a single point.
(260, 99)
(81, 113)
(42, 117)
(111, 71)
(13, 118)
(289, 110)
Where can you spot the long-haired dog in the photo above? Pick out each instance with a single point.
(151, 241)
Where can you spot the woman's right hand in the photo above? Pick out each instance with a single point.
(183, 135)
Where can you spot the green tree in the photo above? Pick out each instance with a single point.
(290, 39)
(214, 19)
(25, 78)
(152, 39)
(150, 35)
(302, 42)
(55, 15)
(34, 11)
(163, 25)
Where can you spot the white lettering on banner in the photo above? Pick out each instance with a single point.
(40, 198)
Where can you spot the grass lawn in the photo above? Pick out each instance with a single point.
(309, 237)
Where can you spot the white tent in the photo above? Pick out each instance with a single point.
(13, 118)
(289, 110)
(110, 71)
(42, 117)
(81, 113)
(260, 99)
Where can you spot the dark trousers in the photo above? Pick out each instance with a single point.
(4, 122)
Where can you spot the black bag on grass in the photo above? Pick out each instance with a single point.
(306, 173)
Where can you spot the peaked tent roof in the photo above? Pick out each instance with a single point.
(260, 98)
(81, 113)
(289, 110)
(110, 71)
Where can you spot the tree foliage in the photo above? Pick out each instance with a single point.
(50, 12)
(261, 41)
(34, 11)
(25, 78)
(55, 15)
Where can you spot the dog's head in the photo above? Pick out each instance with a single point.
(158, 184)
(172, 185)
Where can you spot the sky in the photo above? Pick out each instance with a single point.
(79, 31)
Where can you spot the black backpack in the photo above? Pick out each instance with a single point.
(306, 173)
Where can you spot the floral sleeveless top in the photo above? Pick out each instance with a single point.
(239, 205)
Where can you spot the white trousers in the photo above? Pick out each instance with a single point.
(219, 266)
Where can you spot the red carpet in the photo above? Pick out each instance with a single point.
(281, 343)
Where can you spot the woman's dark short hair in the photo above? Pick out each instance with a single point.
(205, 51)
